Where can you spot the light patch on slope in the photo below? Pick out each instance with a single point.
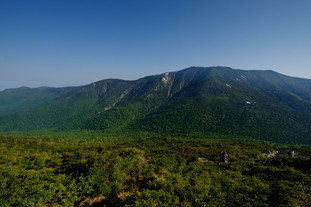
(228, 85)
(165, 78)
(243, 77)
(248, 102)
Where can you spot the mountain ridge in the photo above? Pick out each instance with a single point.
(193, 102)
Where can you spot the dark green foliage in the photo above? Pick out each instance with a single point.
(15, 100)
(150, 172)
(195, 102)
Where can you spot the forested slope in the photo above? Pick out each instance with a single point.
(194, 102)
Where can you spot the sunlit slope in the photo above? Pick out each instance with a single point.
(194, 102)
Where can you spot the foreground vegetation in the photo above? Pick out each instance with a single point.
(150, 172)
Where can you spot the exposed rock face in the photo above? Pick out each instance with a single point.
(223, 157)
(270, 154)
(290, 153)
(204, 160)
(276, 153)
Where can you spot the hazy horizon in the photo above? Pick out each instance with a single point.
(52, 43)
(35, 84)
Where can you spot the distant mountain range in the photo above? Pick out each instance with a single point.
(194, 102)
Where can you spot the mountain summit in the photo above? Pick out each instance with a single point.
(194, 102)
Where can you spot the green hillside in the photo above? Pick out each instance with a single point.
(194, 102)
(15, 100)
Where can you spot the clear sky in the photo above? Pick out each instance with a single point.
(74, 42)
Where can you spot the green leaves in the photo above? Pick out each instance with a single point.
(149, 172)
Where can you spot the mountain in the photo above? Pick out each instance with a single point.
(194, 102)
(24, 98)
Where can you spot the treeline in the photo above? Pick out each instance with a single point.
(150, 172)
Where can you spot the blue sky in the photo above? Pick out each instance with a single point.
(75, 42)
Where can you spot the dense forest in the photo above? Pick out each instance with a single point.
(196, 102)
(151, 172)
